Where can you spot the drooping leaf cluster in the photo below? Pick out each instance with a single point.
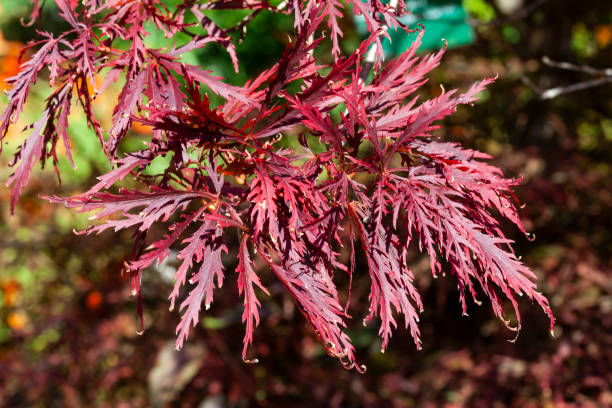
(378, 182)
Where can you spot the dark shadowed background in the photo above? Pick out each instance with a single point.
(68, 326)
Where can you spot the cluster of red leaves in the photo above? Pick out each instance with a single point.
(292, 207)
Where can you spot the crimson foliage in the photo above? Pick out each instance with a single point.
(380, 181)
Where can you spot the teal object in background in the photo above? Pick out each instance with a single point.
(442, 19)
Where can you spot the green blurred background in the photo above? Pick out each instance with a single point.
(68, 327)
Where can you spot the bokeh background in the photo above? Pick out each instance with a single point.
(68, 326)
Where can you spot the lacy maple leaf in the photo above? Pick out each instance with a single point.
(301, 161)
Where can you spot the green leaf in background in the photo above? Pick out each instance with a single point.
(479, 9)
(14, 9)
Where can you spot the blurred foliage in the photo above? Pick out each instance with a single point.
(68, 326)
(480, 9)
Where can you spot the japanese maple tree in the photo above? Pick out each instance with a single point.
(378, 180)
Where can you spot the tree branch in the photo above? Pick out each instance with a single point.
(605, 77)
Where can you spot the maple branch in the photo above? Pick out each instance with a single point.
(371, 55)
(228, 171)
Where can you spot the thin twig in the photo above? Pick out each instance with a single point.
(554, 92)
(605, 77)
(578, 68)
